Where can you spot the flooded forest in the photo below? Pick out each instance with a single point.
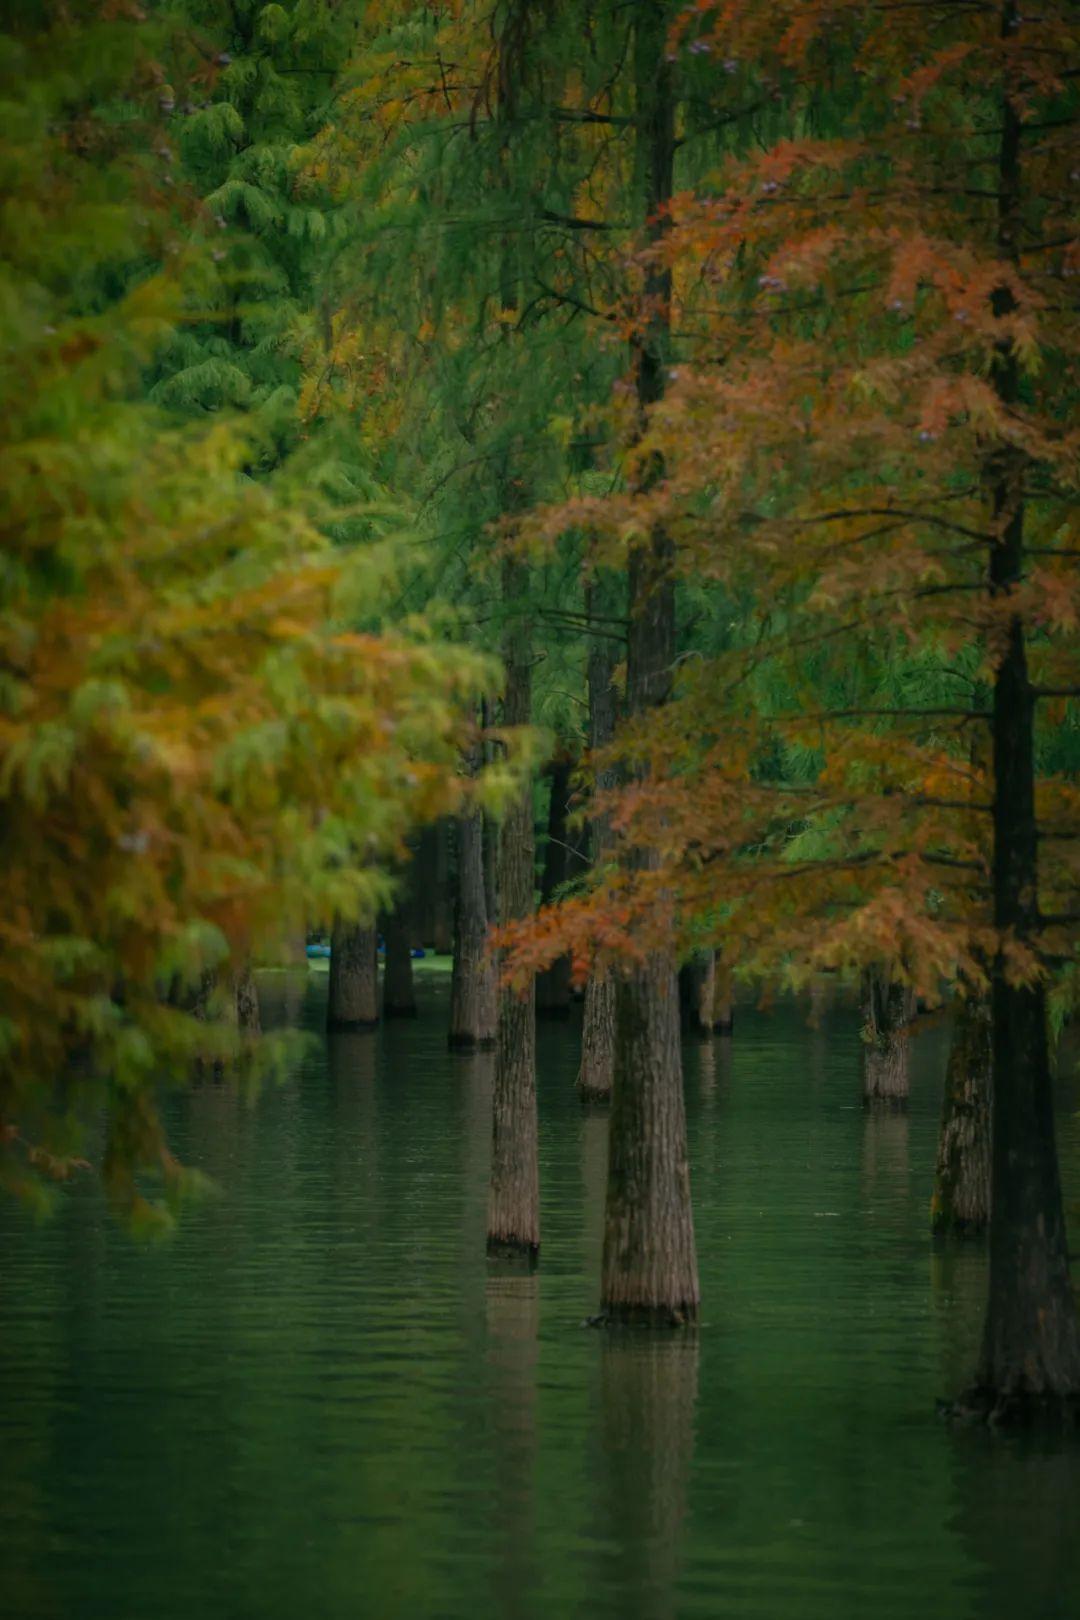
(540, 805)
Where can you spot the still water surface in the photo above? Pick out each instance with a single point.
(318, 1399)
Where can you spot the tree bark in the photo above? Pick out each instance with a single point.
(961, 1198)
(650, 1262)
(697, 995)
(247, 1001)
(1030, 1361)
(888, 1008)
(514, 1192)
(597, 1069)
(553, 984)
(473, 985)
(399, 995)
(353, 999)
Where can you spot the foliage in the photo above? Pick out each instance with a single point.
(832, 439)
(195, 744)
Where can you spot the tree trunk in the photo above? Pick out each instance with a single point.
(353, 1000)
(491, 829)
(888, 1007)
(425, 866)
(723, 999)
(697, 995)
(553, 984)
(961, 1199)
(514, 1193)
(443, 914)
(650, 1263)
(472, 986)
(1030, 1362)
(247, 1001)
(598, 1017)
(399, 996)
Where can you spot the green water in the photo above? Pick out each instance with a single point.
(318, 1400)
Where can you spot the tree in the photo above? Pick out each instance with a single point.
(867, 448)
(473, 987)
(192, 735)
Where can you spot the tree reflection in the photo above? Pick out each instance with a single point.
(513, 1319)
(648, 1396)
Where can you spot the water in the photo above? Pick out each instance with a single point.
(319, 1400)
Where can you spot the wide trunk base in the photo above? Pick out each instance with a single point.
(463, 1041)
(350, 1026)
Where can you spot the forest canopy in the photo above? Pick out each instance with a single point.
(410, 406)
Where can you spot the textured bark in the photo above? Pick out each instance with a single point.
(1030, 1362)
(353, 999)
(399, 995)
(697, 995)
(650, 1263)
(888, 1008)
(514, 1192)
(961, 1198)
(247, 1001)
(472, 987)
(597, 1069)
(553, 984)
(597, 1072)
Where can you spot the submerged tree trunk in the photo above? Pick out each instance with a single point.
(697, 995)
(598, 1017)
(472, 985)
(353, 999)
(553, 984)
(399, 996)
(650, 1262)
(514, 1193)
(1030, 1361)
(961, 1198)
(888, 1008)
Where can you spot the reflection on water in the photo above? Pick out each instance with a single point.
(321, 1398)
(648, 1392)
